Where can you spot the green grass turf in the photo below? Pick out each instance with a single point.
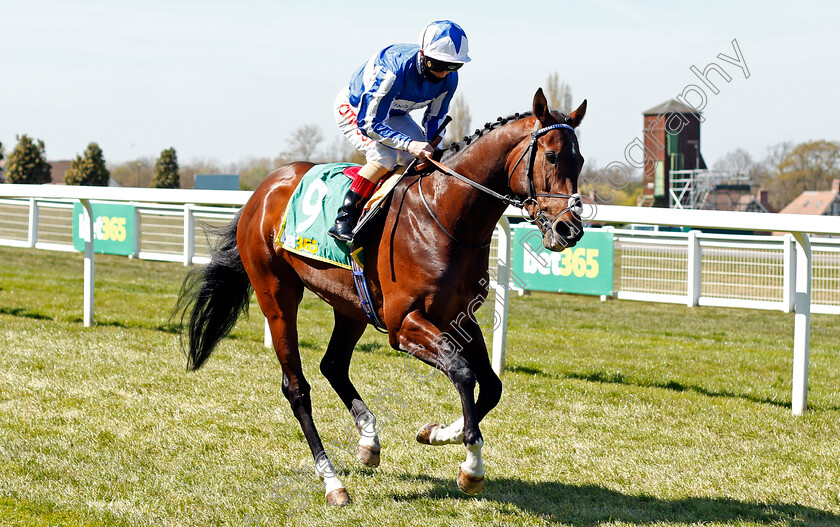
(615, 413)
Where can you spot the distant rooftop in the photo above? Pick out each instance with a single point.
(672, 106)
(817, 202)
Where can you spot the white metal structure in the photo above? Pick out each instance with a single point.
(690, 189)
(683, 267)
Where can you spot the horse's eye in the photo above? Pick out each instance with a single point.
(551, 157)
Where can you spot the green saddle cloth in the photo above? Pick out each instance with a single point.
(311, 212)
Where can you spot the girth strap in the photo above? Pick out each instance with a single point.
(364, 292)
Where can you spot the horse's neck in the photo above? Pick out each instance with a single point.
(492, 157)
(488, 162)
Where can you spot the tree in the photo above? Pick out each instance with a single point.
(206, 165)
(166, 170)
(558, 94)
(609, 185)
(806, 166)
(739, 160)
(343, 151)
(253, 171)
(28, 163)
(777, 153)
(304, 141)
(459, 110)
(136, 173)
(815, 164)
(88, 170)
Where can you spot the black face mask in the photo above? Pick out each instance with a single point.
(428, 75)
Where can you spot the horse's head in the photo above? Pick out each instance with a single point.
(549, 177)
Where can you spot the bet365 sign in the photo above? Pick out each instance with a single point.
(586, 268)
(113, 228)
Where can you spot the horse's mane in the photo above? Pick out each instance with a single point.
(498, 123)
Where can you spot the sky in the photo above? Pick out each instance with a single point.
(230, 80)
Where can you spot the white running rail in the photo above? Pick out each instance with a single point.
(682, 267)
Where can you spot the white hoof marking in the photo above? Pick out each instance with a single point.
(448, 435)
(473, 465)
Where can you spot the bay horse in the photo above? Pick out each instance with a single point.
(425, 273)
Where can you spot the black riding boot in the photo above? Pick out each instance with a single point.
(348, 215)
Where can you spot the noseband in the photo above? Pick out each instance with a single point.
(573, 201)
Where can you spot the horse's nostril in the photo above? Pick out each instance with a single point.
(566, 230)
(562, 229)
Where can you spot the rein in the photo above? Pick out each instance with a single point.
(574, 202)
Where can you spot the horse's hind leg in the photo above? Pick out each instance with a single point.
(279, 291)
(336, 367)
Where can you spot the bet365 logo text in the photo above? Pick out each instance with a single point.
(586, 268)
(104, 228)
(579, 261)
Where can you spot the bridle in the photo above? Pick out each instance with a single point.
(573, 201)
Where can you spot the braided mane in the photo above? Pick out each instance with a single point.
(499, 122)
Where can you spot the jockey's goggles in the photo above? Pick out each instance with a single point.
(439, 65)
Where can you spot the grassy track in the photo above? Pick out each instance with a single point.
(615, 413)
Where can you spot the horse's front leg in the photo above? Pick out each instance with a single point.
(490, 389)
(421, 338)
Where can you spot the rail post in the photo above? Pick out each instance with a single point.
(801, 324)
(789, 274)
(87, 236)
(33, 223)
(136, 232)
(694, 270)
(500, 307)
(189, 234)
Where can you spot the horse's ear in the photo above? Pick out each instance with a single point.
(577, 115)
(540, 106)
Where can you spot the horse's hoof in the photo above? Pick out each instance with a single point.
(424, 435)
(367, 455)
(338, 497)
(470, 484)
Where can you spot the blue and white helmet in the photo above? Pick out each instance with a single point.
(445, 41)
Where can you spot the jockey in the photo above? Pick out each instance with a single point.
(372, 112)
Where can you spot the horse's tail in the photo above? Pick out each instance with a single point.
(213, 296)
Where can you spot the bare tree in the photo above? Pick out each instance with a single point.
(558, 94)
(304, 142)
(777, 153)
(739, 160)
(768, 169)
(342, 150)
(195, 166)
(459, 110)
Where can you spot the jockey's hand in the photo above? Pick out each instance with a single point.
(420, 149)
